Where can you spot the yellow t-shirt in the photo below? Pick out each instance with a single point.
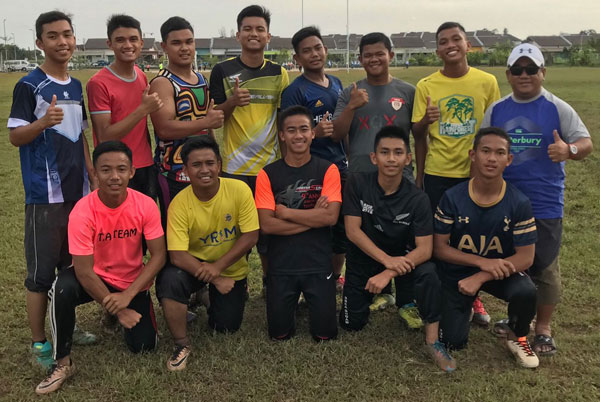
(209, 229)
(462, 103)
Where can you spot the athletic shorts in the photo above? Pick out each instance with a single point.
(144, 181)
(226, 311)
(167, 189)
(46, 243)
(545, 271)
(436, 186)
(263, 239)
(283, 292)
(339, 241)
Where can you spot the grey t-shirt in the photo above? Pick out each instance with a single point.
(389, 104)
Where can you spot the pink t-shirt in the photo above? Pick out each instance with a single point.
(109, 93)
(114, 236)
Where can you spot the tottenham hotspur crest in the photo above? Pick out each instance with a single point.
(507, 221)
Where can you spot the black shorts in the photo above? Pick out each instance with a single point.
(144, 181)
(167, 189)
(339, 241)
(46, 243)
(283, 292)
(226, 310)
(436, 186)
(262, 245)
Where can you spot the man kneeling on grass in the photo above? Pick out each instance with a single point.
(485, 238)
(389, 224)
(211, 225)
(105, 239)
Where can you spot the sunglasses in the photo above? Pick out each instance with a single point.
(531, 69)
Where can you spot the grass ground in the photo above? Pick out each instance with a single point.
(383, 362)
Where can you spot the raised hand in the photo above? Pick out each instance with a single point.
(214, 118)
(432, 112)
(325, 127)
(241, 96)
(150, 102)
(358, 97)
(54, 115)
(559, 150)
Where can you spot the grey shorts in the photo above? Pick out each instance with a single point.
(46, 243)
(545, 271)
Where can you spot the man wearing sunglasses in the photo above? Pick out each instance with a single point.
(545, 131)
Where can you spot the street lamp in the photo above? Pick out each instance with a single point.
(34, 45)
(14, 44)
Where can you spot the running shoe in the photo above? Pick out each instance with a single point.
(438, 353)
(82, 337)
(57, 376)
(410, 315)
(110, 323)
(480, 316)
(522, 351)
(382, 301)
(339, 284)
(43, 354)
(178, 360)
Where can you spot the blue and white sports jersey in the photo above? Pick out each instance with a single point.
(491, 231)
(319, 100)
(530, 125)
(53, 164)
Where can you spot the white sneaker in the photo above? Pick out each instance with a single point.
(522, 351)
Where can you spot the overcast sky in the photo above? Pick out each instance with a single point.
(521, 18)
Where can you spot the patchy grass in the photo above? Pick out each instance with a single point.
(383, 362)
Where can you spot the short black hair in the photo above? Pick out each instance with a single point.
(449, 25)
(111, 146)
(122, 21)
(254, 11)
(304, 33)
(490, 131)
(199, 142)
(174, 24)
(293, 111)
(373, 38)
(48, 18)
(391, 132)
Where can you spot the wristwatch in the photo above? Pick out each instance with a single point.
(572, 149)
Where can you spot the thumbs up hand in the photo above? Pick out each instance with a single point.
(559, 150)
(432, 112)
(241, 96)
(325, 126)
(150, 102)
(214, 118)
(54, 115)
(358, 97)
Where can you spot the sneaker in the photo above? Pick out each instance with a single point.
(178, 360)
(410, 315)
(480, 316)
(438, 353)
(522, 351)
(43, 354)
(110, 323)
(190, 316)
(57, 376)
(339, 284)
(203, 297)
(82, 337)
(382, 301)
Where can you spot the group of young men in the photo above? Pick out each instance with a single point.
(484, 211)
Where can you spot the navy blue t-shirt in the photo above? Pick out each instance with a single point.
(319, 100)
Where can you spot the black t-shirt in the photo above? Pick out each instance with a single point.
(299, 188)
(391, 221)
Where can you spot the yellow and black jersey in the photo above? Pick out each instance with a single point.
(250, 133)
(491, 231)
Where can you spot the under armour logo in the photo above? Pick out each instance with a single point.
(523, 50)
(463, 220)
(507, 221)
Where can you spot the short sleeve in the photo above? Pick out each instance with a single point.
(487, 117)
(216, 87)
(332, 185)
(423, 222)
(152, 225)
(285, 82)
(178, 235)
(98, 97)
(494, 92)
(420, 103)
(351, 204)
(291, 96)
(342, 102)
(571, 125)
(248, 216)
(23, 106)
(81, 229)
(443, 219)
(524, 231)
(264, 194)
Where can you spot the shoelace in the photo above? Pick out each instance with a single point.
(523, 344)
(441, 349)
(177, 352)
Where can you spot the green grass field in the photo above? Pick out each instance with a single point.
(384, 362)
